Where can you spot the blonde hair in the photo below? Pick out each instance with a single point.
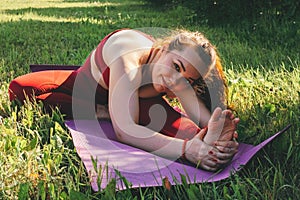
(210, 88)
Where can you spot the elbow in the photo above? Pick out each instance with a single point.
(119, 136)
(123, 132)
(124, 126)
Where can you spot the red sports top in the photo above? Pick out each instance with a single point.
(97, 61)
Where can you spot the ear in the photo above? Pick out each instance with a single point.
(164, 48)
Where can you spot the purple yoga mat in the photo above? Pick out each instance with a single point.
(96, 145)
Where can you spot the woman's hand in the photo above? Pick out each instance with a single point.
(209, 157)
(200, 153)
(226, 151)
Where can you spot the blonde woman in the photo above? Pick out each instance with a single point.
(129, 75)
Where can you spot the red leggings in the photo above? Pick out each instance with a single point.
(76, 93)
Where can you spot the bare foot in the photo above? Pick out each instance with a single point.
(229, 128)
(221, 126)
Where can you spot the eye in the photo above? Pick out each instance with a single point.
(188, 81)
(176, 66)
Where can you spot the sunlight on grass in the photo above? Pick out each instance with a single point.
(265, 99)
(15, 5)
(38, 159)
(261, 86)
(21, 4)
(36, 17)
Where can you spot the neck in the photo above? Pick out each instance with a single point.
(146, 89)
(149, 56)
(146, 62)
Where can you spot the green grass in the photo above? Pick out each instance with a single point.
(261, 60)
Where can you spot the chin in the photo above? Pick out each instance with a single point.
(170, 94)
(159, 88)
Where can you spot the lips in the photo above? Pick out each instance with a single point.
(164, 83)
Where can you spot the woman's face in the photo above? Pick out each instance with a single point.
(174, 70)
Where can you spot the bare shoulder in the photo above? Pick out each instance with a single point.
(125, 42)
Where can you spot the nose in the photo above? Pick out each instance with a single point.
(177, 82)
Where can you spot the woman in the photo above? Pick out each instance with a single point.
(132, 73)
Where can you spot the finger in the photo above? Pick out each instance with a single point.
(216, 114)
(231, 144)
(209, 165)
(224, 156)
(223, 162)
(202, 133)
(207, 168)
(226, 150)
(220, 161)
(235, 135)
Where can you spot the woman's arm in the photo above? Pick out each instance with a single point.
(122, 52)
(125, 80)
(124, 112)
(193, 107)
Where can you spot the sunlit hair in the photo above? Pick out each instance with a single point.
(211, 87)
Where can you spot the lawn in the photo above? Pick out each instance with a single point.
(261, 61)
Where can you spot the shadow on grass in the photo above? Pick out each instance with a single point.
(95, 11)
(247, 41)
